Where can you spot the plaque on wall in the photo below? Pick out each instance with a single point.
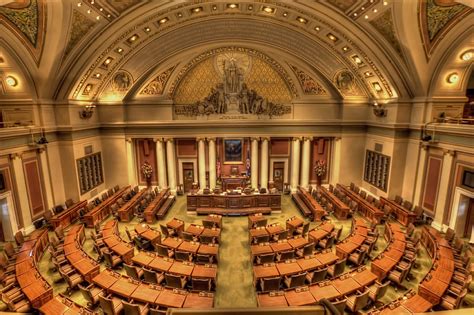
(376, 169)
(89, 171)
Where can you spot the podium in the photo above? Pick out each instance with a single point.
(232, 182)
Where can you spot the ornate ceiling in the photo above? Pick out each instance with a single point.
(81, 47)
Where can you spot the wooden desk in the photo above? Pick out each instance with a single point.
(417, 304)
(280, 246)
(146, 293)
(57, 306)
(125, 212)
(309, 264)
(216, 218)
(68, 216)
(404, 216)
(255, 218)
(271, 300)
(171, 242)
(206, 272)
(288, 268)
(182, 268)
(171, 298)
(341, 210)
(209, 249)
(327, 258)
(233, 182)
(190, 247)
(102, 211)
(38, 293)
(298, 242)
(144, 231)
(364, 278)
(106, 279)
(366, 208)
(143, 258)
(299, 298)
(308, 205)
(260, 249)
(345, 286)
(123, 287)
(151, 210)
(176, 224)
(265, 271)
(273, 229)
(161, 264)
(194, 229)
(233, 202)
(259, 231)
(199, 300)
(327, 291)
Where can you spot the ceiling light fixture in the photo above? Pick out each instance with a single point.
(385, 3)
(214, 7)
(332, 37)
(285, 14)
(79, 4)
(147, 29)
(467, 55)
(302, 20)
(97, 17)
(163, 20)
(268, 10)
(368, 73)
(196, 10)
(377, 87)
(357, 59)
(345, 48)
(317, 28)
(250, 7)
(119, 50)
(232, 6)
(11, 81)
(98, 75)
(366, 16)
(453, 78)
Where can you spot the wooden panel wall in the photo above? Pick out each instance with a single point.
(432, 177)
(146, 151)
(34, 186)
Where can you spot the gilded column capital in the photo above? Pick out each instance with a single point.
(41, 150)
(171, 140)
(211, 139)
(297, 138)
(198, 139)
(337, 138)
(265, 138)
(129, 140)
(306, 138)
(424, 146)
(255, 139)
(449, 152)
(14, 156)
(157, 139)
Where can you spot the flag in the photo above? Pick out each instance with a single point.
(248, 161)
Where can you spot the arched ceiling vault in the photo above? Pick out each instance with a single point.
(305, 35)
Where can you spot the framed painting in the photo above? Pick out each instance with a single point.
(233, 151)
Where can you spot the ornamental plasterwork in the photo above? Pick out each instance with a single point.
(308, 84)
(157, 86)
(122, 5)
(80, 26)
(437, 17)
(235, 78)
(343, 5)
(26, 19)
(384, 25)
(346, 83)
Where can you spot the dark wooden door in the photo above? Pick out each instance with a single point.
(470, 219)
(188, 176)
(278, 173)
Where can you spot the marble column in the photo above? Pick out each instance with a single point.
(254, 163)
(212, 163)
(264, 163)
(171, 163)
(131, 169)
(305, 163)
(202, 162)
(336, 161)
(295, 163)
(22, 193)
(419, 176)
(47, 178)
(443, 189)
(160, 162)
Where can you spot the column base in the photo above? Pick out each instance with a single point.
(29, 229)
(437, 226)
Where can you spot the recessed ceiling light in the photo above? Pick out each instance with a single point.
(366, 16)
(453, 78)
(467, 55)
(317, 28)
(147, 29)
(133, 38)
(196, 10)
(163, 20)
(79, 4)
(107, 61)
(385, 2)
(357, 60)
(89, 11)
(101, 9)
(108, 15)
(368, 73)
(375, 10)
(97, 17)
(97, 75)
(268, 10)
(11, 81)
(92, 2)
(302, 20)
(214, 7)
(332, 37)
(119, 50)
(355, 13)
(362, 9)
(232, 6)
(285, 14)
(377, 87)
(345, 48)
(250, 7)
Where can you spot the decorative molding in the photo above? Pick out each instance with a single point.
(14, 156)
(346, 83)
(157, 85)
(27, 21)
(80, 26)
(436, 18)
(385, 26)
(308, 84)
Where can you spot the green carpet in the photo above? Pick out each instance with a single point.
(235, 287)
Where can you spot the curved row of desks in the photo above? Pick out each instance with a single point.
(342, 286)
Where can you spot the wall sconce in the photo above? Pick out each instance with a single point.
(379, 110)
(86, 112)
(453, 78)
(40, 141)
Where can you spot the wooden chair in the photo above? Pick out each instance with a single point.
(407, 205)
(208, 224)
(199, 284)
(270, 284)
(111, 260)
(378, 290)
(285, 255)
(18, 304)
(133, 272)
(130, 235)
(398, 199)
(152, 276)
(357, 257)
(110, 305)
(59, 231)
(91, 294)
(357, 301)
(295, 280)
(451, 300)
(283, 235)
(265, 258)
(175, 281)
(307, 250)
(156, 311)
(72, 279)
(167, 232)
(340, 305)
(397, 275)
(206, 239)
(317, 275)
(164, 251)
(19, 238)
(261, 239)
(203, 259)
(302, 230)
(338, 268)
(363, 194)
(131, 308)
(327, 242)
(183, 256)
(419, 219)
(188, 237)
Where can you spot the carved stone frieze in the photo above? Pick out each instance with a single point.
(157, 86)
(308, 84)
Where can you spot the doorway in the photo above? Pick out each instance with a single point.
(278, 175)
(8, 222)
(469, 227)
(188, 176)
